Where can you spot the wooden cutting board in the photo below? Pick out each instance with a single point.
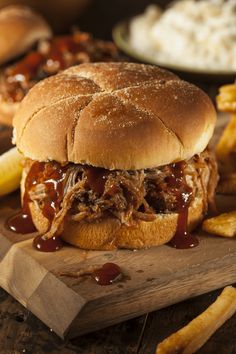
(154, 278)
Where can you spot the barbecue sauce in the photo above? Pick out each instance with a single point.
(59, 46)
(183, 193)
(107, 274)
(21, 223)
(33, 64)
(50, 245)
(96, 178)
(51, 175)
(26, 68)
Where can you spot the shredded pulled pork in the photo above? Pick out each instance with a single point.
(92, 193)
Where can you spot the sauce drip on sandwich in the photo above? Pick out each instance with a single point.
(182, 238)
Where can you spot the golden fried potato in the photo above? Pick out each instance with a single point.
(226, 147)
(191, 337)
(222, 225)
(226, 100)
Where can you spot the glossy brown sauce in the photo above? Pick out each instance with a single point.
(61, 45)
(183, 193)
(27, 67)
(182, 238)
(51, 175)
(32, 64)
(21, 223)
(51, 245)
(107, 274)
(96, 178)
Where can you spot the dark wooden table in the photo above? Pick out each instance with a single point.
(22, 332)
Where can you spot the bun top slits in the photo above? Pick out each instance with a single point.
(114, 115)
(20, 28)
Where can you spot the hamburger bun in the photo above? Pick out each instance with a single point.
(20, 28)
(114, 115)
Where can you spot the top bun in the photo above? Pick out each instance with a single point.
(20, 28)
(114, 115)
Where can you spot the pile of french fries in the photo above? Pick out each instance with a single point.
(225, 224)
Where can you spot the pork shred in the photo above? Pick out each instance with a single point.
(129, 195)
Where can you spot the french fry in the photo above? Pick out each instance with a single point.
(221, 225)
(226, 147)
(227, 184)
(191, 337)
(226, 100)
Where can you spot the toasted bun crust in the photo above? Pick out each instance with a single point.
(108, 233)
(20, 28)
(114, 115)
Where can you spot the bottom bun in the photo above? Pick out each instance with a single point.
(107, 234)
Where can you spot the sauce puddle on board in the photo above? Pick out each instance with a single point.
(21, 223)
(52, 244)
(107, 274)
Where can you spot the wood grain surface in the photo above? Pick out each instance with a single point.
(21, 332)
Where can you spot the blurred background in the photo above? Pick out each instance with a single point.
(95, 16)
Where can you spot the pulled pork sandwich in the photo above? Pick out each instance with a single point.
(116, 157)
(51, 56)
(21, 28)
